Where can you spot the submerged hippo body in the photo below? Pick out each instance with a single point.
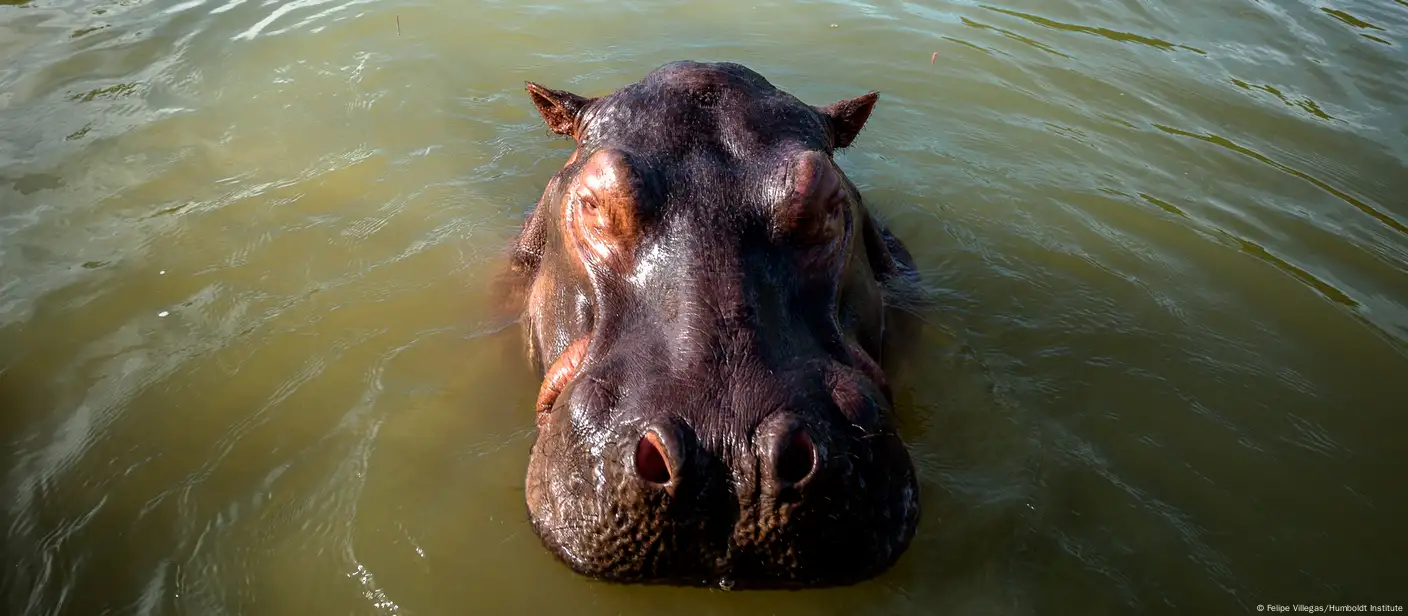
(707, 299)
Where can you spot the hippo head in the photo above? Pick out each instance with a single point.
(705, 296)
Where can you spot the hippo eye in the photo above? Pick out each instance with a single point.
(814, 216)
(601, 213)
(587, 201)
(814, 221)
(588, 210)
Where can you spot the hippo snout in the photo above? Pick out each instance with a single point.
(659, 457)
(643, 478)
(787, 455)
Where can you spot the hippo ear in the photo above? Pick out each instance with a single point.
(848, 117)
(559, 108)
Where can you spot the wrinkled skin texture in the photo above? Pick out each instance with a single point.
(709, 301)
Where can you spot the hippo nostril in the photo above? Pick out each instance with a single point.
(651, 463)
(797, 458)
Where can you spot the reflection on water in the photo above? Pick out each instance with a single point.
(249, 361)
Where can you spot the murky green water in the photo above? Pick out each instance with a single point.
(248, 363)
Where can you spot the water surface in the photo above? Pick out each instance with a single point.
(248, 361)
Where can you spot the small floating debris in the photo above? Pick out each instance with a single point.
(161, 273)
(835, 25)
(162, 313)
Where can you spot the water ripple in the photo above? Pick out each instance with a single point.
(1113, 35)
(1388, 220)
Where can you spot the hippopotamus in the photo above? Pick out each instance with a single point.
(709, 303)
